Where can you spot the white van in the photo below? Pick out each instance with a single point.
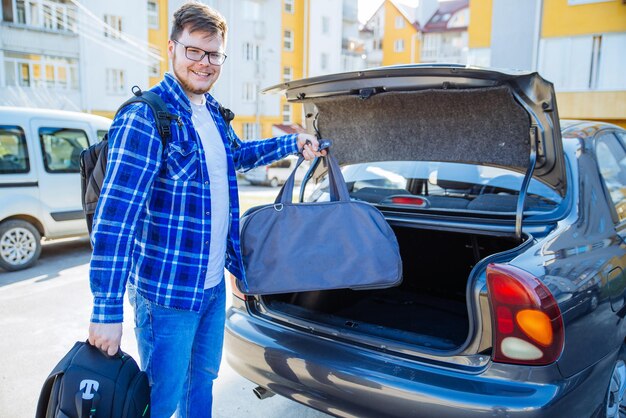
(40, 178)
(277, 173)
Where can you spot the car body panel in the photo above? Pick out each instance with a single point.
(347, 380)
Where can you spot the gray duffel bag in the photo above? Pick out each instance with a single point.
(298, 247)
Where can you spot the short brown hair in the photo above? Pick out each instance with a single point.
(196, 16)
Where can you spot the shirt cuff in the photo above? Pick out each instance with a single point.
(290, 143)
(107, 310)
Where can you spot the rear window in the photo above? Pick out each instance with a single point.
(61, 148)
(13, 151)
(439, 185)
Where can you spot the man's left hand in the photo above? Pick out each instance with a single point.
(308, 146)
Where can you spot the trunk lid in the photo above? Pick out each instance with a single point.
(437, 113)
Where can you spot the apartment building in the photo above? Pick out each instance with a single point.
(87, 54)
(275, 41)
(423, 31)
(445, 37)
(40, 54)
(68, 54)
(576, 44)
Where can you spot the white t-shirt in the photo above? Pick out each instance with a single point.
(215, 155)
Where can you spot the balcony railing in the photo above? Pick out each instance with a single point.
(45, 14)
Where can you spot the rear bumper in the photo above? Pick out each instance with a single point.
(346, 380)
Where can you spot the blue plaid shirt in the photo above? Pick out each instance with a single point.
(153, 221)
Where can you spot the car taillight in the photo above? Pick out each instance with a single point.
(234, 289)
(527, 322)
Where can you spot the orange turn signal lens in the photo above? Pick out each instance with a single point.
(536, 325)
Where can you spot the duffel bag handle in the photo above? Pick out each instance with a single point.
(337, 184)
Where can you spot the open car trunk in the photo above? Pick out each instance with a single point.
(428, 309)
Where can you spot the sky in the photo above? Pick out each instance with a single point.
(367, 9)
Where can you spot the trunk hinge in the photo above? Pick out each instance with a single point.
(519, 215)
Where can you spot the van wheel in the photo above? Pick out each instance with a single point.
(274, 182)
(20, 245)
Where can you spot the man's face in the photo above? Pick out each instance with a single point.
(196, 77)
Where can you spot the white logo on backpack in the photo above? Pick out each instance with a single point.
(90, 388)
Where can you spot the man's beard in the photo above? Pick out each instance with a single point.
(187, 87)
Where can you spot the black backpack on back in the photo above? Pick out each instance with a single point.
(89, 384)
(93, 160)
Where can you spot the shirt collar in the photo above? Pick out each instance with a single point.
(171, 88)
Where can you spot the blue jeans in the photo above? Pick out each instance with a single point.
(181, 352)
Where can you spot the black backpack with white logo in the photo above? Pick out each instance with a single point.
(89, 384)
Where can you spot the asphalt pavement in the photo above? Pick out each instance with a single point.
(45, 309)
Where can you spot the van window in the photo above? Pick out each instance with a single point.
(13, 151)
(100, 134)
(61, 148)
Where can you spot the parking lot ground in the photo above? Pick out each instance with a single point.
(45, 309)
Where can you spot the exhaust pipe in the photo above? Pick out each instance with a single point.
(262, 393)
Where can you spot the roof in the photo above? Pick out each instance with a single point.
(439, 20)
(408, 12)
(292, 128)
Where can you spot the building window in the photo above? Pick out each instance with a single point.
(113, 26)
(61, 149)
(155, 68)
(153, 14)
(288, 40)
(324, 58)
(431, 46)
(13, 151)
(582, 63)
(325, 25)
(399, 22)
(249, 92)
(250, 51)
(115, 81)
(287, 73)
(50, 15)
(398, 45)
(289, 6)
(612, 162)
(27, 70)
(251, 10)
(250, 131)
(286, 113)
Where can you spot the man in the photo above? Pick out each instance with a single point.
(168, 221)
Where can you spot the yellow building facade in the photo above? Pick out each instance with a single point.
(401, 43)
(560, 19)
(570, 21)
(157, 38)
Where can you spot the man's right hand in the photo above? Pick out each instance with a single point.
(106, 337)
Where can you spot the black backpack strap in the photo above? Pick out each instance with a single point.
(44, 396)
(161, 115)
(228, 116)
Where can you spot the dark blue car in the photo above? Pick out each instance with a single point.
(510, 224)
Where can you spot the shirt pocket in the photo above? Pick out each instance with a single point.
(182, 161)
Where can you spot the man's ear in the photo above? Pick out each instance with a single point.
(170, 48)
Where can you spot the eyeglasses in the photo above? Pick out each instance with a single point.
(197, 54)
